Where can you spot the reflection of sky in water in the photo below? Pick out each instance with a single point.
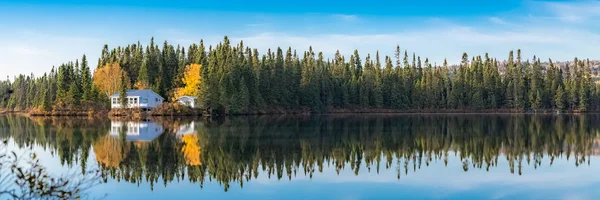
(562, 180)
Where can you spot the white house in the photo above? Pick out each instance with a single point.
(188, 101)
(145, 99)
(136, 131)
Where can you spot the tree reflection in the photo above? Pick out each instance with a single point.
(237, 150)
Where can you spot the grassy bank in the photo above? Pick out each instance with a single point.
(59, 109)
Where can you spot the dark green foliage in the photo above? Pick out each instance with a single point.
(123, 100)
(559, 98)
(86, 80)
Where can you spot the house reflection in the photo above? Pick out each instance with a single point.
(192, 147)
(143, 131)
(186, 129)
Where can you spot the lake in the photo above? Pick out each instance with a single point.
(446, 156)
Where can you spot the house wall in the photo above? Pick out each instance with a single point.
(152, 102)
(188, 102)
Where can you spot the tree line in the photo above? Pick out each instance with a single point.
(65, 87)
(234, 78)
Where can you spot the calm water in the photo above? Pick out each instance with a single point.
(324, 157)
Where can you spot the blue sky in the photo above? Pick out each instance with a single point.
(39, 34)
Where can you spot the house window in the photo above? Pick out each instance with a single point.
(135, 100)
(156, 99)
(114, 100)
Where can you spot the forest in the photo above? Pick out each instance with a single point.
(238, 150)
(236, 79)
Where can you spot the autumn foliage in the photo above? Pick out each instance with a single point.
(108, 78)
(191, 80)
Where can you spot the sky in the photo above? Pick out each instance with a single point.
(37, 35)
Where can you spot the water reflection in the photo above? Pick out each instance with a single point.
(238, 150)
(136, 131)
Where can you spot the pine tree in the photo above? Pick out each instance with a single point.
(551, 84)
(519, 84)
(63, 83)
(45, 105)
(509, 80)
(536, 85)
(559, 98)
(123, 100)
(585, 86)
(86, 80)
(74, 94)
(244, 97)
(378, 88)
(583, 100)
(143, 78)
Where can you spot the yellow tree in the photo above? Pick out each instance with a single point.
(191, 80)
(108, 78)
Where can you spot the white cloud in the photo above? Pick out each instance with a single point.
(34, 52)
(573, 12)
(497, 20)
(347, 18)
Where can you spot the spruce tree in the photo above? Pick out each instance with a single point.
(123, 99)
(86, 80)
(378, 88)
(583, 101)
(74, 95)
(244, 97)
(559, 98)
(45, 105)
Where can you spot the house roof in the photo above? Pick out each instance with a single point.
(143, 93)
(187, 97)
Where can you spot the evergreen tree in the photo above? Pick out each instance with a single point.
(63, 83)
(559, 98)
(45, 105)
(244, 97)
(123, 99)
(86, 80)
(378, 88)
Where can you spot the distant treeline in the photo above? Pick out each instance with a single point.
(237, 79)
